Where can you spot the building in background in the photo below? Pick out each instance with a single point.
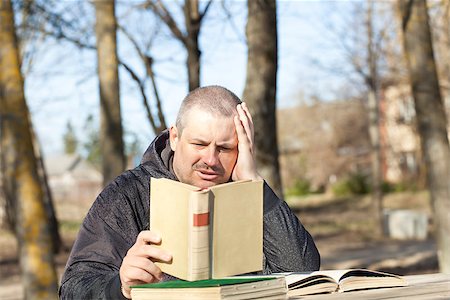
(72, 178)
(323, 142)
(400, 141)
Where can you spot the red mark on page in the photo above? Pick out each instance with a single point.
(201, 219)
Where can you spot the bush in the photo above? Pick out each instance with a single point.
(354, 184)
(403, 186)
(301, 187)
(388, 187)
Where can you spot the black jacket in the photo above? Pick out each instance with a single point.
(121, 211)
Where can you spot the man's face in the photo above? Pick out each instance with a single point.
(206, 151)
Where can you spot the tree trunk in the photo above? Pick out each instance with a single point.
(374, 123)
(21, 174)
(261, 85)
(431, 118)
(193, 21)
(111, 140)
(374, 133)
(48, 199)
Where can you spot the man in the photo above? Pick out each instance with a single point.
(211, 143)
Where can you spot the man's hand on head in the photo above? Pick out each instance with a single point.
(138, 265)
(245, 167)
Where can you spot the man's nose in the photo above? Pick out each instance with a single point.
(211, 156)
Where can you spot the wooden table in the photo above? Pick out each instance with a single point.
(429, 286)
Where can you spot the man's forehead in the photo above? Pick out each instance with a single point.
(198, 109)
(207, 127)
(201, 131)
(202, 117)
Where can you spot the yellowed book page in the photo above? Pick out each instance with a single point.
(237, 228)
(352, 279)
(295, 278)
(169, 207)
(199, 224)
(362, 273)
(361, 278)
(335, 274)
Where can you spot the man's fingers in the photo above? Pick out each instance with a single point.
(136, 270)
(244, 120)
(146, 265)
(245, 107)
(154, 253)
(242, 136)
(246, 123)
(148, 237)
(144, 247)
(134, 274)
(249, 116)
(138, 265)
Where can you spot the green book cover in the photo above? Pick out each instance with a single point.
(201, 283)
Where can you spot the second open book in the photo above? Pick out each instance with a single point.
(329, 281)
(211, 233)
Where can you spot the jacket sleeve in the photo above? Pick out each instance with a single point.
(108, 231)
(288, 247)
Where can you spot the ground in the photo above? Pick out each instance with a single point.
(343, 229)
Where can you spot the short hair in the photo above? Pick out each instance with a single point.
(213, 99)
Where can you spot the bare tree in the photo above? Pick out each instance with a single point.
(111, 133)
(431, 118)
(193, 20)
(439, 12)
(371, 79)
(363, 41)
(60, 25)
(21, 180)
(261, 85)
(27, 37)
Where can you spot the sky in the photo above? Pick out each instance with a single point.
(62, 85)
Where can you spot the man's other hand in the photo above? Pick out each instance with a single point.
(138, 266)
(245, 167)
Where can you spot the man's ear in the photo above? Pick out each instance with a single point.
(173, 134)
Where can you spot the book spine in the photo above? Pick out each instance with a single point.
(199, 260)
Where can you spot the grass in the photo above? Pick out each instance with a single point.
(350, 218)
(69, 226)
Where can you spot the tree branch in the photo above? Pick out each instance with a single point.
(148, 62)
(161, 11)
(202, 14)
(58, 26)
(144, 97)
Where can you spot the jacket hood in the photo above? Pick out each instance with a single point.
(159, 156)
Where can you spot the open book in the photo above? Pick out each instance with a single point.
(300, 284)
(211, 233)
(225, 288)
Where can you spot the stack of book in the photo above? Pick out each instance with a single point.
(216, 233)
(258, 287)
(276, 286)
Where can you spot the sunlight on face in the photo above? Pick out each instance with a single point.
(206, 151)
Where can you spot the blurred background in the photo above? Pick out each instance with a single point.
(350, 101)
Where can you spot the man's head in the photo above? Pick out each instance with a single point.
(204, 138)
